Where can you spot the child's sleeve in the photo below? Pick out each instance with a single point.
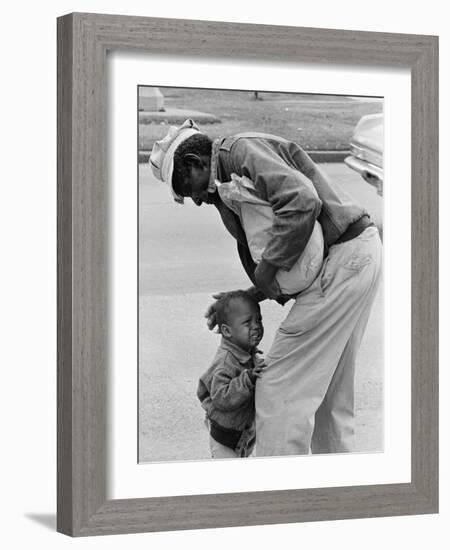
(228, 392)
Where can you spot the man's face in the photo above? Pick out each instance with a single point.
(196, 184)
(245, 324)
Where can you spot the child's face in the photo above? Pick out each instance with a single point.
(245, 327)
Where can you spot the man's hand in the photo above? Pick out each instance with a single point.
(265, 279)
(284, 299)
(210, 313)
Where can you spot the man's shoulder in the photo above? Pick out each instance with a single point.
(244, 138)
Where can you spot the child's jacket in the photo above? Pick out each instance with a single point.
(226, 390)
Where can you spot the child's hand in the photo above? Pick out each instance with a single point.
(258, 360)
(257, 372)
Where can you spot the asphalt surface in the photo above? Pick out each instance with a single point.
(186, 255)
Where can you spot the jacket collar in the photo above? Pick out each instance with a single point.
(214, 158)
(241, 355)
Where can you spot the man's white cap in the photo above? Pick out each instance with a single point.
(161, 159)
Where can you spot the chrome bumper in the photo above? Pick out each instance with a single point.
(363, 167)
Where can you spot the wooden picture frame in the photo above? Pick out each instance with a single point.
(83, 41)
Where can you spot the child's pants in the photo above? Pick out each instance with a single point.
(221, 451)
(244, 448)
(305, 398)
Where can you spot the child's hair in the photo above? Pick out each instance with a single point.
(223, 305)
(198, 144)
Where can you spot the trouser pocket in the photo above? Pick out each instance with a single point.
(346, 260)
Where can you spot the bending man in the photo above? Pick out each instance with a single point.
(305, 400)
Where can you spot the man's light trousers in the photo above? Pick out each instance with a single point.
(305, 398)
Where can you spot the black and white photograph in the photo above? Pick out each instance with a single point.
(260, 260)
(224, 235)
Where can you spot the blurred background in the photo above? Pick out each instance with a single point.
(317, 122)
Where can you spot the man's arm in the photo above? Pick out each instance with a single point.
(262, 276)
(294, 201)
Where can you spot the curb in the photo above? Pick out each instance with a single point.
(317, 156)
(176, 116)
(328, 156)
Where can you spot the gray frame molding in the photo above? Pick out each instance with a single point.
(83, 41)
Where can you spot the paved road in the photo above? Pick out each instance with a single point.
(185, 254)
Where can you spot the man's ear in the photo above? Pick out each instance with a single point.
(225, 330)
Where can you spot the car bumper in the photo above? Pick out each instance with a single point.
(363, 167)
